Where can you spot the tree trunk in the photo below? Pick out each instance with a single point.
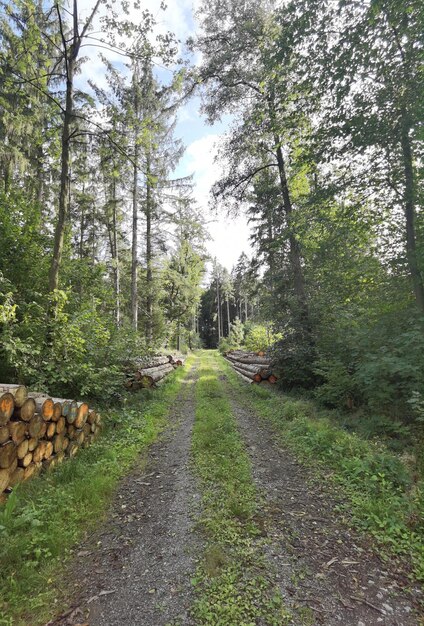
(134, 255)
(218, 309)
(70, 56)
(59, 234)
(410, 218)
(149, 272)
(134, 286)
(228, 317)
(115, 256)
(295, 255)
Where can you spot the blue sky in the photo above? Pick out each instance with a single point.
(229, 238)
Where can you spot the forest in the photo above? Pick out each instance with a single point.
(104, 249)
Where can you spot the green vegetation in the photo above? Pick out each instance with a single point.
(383, 493)
(232, 581)
(44, 519)
(100, 261)
(325, 158)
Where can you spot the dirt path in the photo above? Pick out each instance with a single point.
(140, 573)
(326, 573)
(148, 550)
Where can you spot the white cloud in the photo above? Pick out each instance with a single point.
(230, 236)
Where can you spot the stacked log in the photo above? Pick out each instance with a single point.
(252, 367)
(150, 372)
(37, 431)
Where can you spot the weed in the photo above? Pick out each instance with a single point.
(45, 518)
(230, 582)
(384, 496)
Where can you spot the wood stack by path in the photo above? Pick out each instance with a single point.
(150, 372)
(37, 431)
(252, 367)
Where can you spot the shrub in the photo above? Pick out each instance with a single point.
(260, 337)
(236, 337)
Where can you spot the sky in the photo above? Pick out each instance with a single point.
(229, 237)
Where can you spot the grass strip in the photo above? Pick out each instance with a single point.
(44, 519)
(233, 580)
(382, 494)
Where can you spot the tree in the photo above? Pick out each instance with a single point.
(240, 72)
(71, 45)
(371, 105)
(182, 286)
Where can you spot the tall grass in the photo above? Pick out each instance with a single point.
(383, 495)
(44, 519)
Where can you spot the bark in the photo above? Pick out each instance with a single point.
(244, 378)
(149, 272)
(115, 257)
(44, 405)
(62, 216)
(156, 373)
(410, 218)
(17, 431)
(5, 476)
(248, 359)
(256, 378)
(70, 57)
(4, 434)
(253, 369)
(134, 252)
(22, 447)
(7, 404)
(218, 309)
(150, 362)
(295, 254)
(8, 453)
(19, 392)
(26, 411)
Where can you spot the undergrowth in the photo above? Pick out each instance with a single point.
(384, 495)
(233, 583)
(44, 519)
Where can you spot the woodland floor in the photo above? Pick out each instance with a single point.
(148, 550)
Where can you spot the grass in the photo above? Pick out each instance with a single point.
(383, 495)
(233, 581)
(45, 519)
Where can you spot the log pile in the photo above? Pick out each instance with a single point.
(37, 431)
(150, 372)
(252, 367)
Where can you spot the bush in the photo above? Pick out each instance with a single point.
(225, 345)
(339, 385)
(295, 359)
(260, 338)
(236, 337)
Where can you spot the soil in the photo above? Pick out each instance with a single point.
(327, 573)
(147, 551)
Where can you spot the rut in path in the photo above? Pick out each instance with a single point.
(149, 548)
(141, 572)
(327, 574)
